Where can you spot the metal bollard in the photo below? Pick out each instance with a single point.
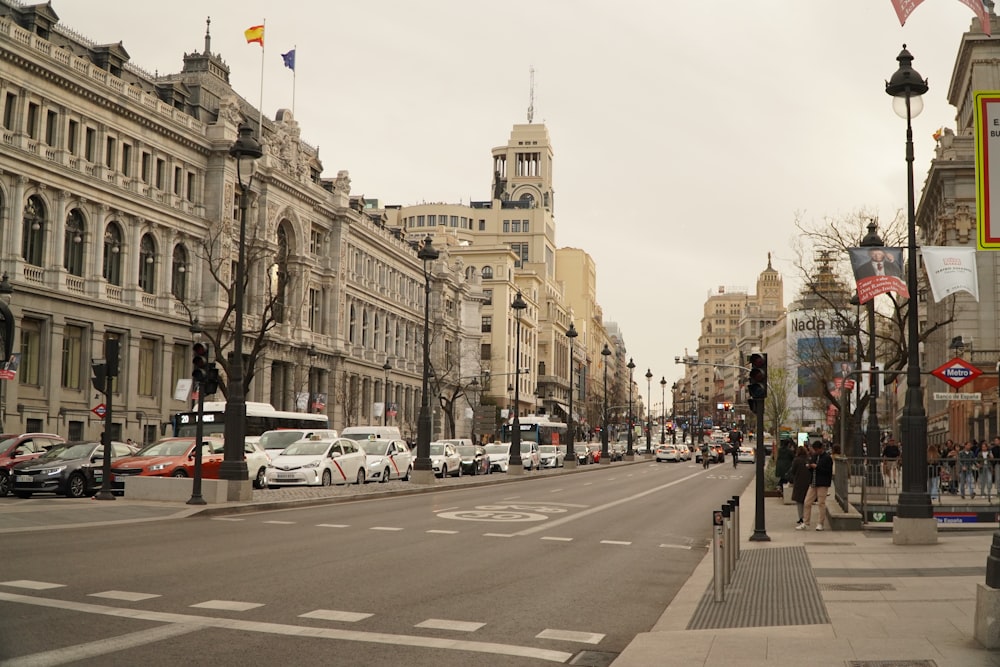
(736, 525)
(717, 554)
(727, 539)
(734, 538)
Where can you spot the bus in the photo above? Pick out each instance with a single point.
(538, 428)
(261, 417)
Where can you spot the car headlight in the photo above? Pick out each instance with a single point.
(313, 464)
(374, 464)
(158, 466)
(52, 471)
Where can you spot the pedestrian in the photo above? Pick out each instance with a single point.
(704, 455)
(985, 469)
(967, 462)
(783, 466)
(995, 451)
(821, 465)
(934, 471)
(890, 460)
(799, 476)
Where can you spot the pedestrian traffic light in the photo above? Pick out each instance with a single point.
(757, 387)
(211, 383)
(200, 362)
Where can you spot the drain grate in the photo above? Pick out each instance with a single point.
(891, 663)
(857, 587)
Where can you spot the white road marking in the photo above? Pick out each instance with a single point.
(333, 525)
(675, 546)
(559, 539)
(571, 636)
(191, 622)
(555, 490)
(443, 532)
(226, 605)
(615, 542)
(390, 528)
(334, 615)
(443, 624)
(446, 509)
(496, 535)
(62, 656)
(124, 595)
(227, 518)
(281, 523)
(33, 585)
(587, 483)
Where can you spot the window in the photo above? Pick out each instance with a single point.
(73, 137)
(9, 109)
(420, 221)
(487, 273)
(521, 250)
(112, 269)
(31, 352)
(32, 122)
(33, 231)
(485, 352)
(178, 272)
(177, 180)
(72, 357)
(515, 226)
(482, 225)
(280, 274)
(315, 242)
(161, 170)
(144, 166)
(432, 220)
(506, 226)
(524, 226)
(126, 159)
(190, 186)
(487, 325)
(364, 328)
(90, 144)
(147, 367)
(487, 297)
(51, 120)
(73, 243)
(314, 301)
(109, 153)
(179, 364)
(352, 325)
(147, 264)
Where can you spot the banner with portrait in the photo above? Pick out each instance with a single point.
(878, 270)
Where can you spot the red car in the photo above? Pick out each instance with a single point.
(15, 448)
(169, 457)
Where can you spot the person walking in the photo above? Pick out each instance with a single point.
(704, 455)
(890, 461)
(934, 471)
(985, 469)
(783, 466)
(968, 459)
(799, 475)
(821, 465)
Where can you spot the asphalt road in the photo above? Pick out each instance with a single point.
(558, 569)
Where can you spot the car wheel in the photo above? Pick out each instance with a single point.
(76, 486)
(327, 478)
(4, 484)
(361, 477)
(23, 494)
(260, 481)
(409, 471)
(459, 471)
(179, 473)
(444, 471)
(385, 475)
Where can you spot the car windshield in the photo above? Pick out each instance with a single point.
(306, 448)
(525, 447)
(279, 439)
(547, 449)
(167, 448)
(437, 450)
(374, 447)
(496, 449)
(466, 450)
(68, 452)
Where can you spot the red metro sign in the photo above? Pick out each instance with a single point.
(956, 372)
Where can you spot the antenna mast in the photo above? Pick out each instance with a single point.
(531, 97)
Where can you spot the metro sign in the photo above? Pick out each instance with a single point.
(956, 372)
(100, 410)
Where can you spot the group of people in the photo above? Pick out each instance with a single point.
(810, 473)
(964, 469)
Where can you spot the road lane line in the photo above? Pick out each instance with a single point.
(334, 615)
(443, 532)
(558, 539)
(388, 528)
(571, 636)
(624, 544)
(287, 629)
(68, 654)
(333, 525)
(444, 624)
(282, 523)
(33, 585)
(676, 546)
(227, 605)
(124, 595)
(496, 535)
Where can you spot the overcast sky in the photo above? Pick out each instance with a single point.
(687, 135)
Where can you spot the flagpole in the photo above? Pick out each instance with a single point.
(295, 50)
(260, 108)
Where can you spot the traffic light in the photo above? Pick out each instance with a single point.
(211, 383)
(757, 387)
(200, 362)
(100, 377)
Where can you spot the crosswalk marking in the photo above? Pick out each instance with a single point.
(124, 595)
(226, 605)
(334, 615)
(33, 585)
(571, 636)
(443, 624)
(615, 542)
(559, 539)
(389, 528)
(283, 523)
(333, 525)
(443, 532)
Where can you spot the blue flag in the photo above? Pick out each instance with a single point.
(289, 59)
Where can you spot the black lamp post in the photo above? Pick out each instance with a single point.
(199, 429)
(423, 469)
(516, 466)
(630, 366)
(7, 329)
(663, 410)
(873, 434)
(906, 87)
(571, 461)
(649, 414)
(246, 150)
(606, 352)
(673, 414)
(385, 408)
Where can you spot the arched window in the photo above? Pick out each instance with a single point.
(112, 270)
(280, 285)
(33, 231)
(470, 273)
(378, 332)
(364, 327)
(352, 325)
(73, 243)
(178, 272)
(147, 264)
(487, 272)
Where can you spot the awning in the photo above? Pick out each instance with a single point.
(562, 407)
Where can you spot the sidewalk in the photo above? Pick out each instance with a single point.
(831, 598)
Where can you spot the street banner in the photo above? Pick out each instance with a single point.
(319, 402)
(878, 270)
(9, 370)
(951, 269)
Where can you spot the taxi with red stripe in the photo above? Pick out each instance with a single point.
(387, 459)
(318, 461)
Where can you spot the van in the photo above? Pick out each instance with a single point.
(371, 433)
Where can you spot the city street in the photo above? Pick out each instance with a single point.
(504, 574)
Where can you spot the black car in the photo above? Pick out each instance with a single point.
(73, 469)
(475, 460)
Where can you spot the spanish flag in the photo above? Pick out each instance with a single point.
(255, 34)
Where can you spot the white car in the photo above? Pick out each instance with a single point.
(275, 441)
(445, 460)
(257, 461)
(529, 455)
(669, 453)
(318, 462)
(499, 454)
(387, 459)
(746, 454)
(551, 456)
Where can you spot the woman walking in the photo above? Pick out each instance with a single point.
(800, 476)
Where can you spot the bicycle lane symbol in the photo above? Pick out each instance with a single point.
(506, 513)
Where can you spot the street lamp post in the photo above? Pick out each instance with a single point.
(649, 415)
(570, 461)
(385, 408)
(7, 330)
(423, 469)
(673, 414)
(630, 453)
(873, 434)
(606, 352)
(914, 521)
(516, 465)
(246, 150)
(663, 410)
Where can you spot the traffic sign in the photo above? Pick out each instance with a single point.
(956, 372)
(100, 410)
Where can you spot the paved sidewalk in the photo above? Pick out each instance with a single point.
(831, 598)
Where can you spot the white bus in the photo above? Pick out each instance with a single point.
(539, 429)
(261, 417)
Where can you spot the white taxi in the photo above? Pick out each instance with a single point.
(445, 459)
(387, 459)
(318, 462)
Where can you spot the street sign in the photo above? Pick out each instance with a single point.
(986, 125)
(958, 396)
(100, 410)
(956, 372)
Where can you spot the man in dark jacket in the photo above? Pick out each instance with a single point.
(821, 464)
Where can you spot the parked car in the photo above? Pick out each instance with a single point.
(318, 462)
(387, 459)
(551, 456)
(445, 460)
(71, 469)
(745, 455)
(475, 460)
(169, 457)
(668, 453)
(499, 454)
(15, 448)
(274, 442)
(529, 455)
(617, 450)
(584, 454)
(257, 460)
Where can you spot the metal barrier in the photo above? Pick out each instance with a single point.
(725, 545)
